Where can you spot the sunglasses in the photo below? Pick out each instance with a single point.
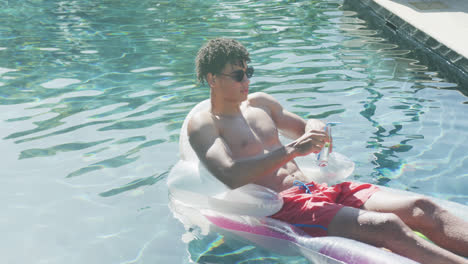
(238, 75)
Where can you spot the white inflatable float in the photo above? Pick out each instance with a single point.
(198, 199)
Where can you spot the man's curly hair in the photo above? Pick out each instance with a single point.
(216, 54)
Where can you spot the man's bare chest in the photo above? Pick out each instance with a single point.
(250, 134)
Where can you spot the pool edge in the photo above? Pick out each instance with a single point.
(453, 65)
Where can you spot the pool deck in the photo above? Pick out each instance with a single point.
(441, 26)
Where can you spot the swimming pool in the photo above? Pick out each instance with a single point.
(93, 94)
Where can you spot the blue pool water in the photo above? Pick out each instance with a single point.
(93, 93)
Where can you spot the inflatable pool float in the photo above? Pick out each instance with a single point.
(200, 200)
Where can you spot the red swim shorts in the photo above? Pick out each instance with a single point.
(312, 212)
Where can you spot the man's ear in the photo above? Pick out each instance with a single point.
(210, 78)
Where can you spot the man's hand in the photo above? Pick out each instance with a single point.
(316, 124)
(311, 141)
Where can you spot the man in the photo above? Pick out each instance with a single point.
(237, 140)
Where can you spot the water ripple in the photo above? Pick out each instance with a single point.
(93, 95)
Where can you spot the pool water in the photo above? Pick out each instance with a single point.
(93, 95)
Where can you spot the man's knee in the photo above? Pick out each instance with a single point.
(425, 213)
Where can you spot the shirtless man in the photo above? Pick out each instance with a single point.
(237, 140)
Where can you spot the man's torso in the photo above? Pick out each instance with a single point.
(255, 133)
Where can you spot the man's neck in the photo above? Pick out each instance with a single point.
(223, 108)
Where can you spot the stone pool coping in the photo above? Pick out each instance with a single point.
(439, 26)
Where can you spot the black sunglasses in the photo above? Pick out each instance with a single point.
(238, 75)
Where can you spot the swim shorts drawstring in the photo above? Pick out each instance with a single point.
(303, 185)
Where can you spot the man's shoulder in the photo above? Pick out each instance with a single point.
(264, 100)
(200, 120)
(261, 98)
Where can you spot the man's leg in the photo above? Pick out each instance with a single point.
(389, 231)
(423, 215)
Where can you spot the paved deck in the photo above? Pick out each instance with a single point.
(445, 20)
(439, 25)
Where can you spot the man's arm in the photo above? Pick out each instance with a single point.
(290, 124)
(215, 154)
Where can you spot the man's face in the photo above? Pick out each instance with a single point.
(233, 82)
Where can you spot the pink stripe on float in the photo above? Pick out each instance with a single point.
(258, 230)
